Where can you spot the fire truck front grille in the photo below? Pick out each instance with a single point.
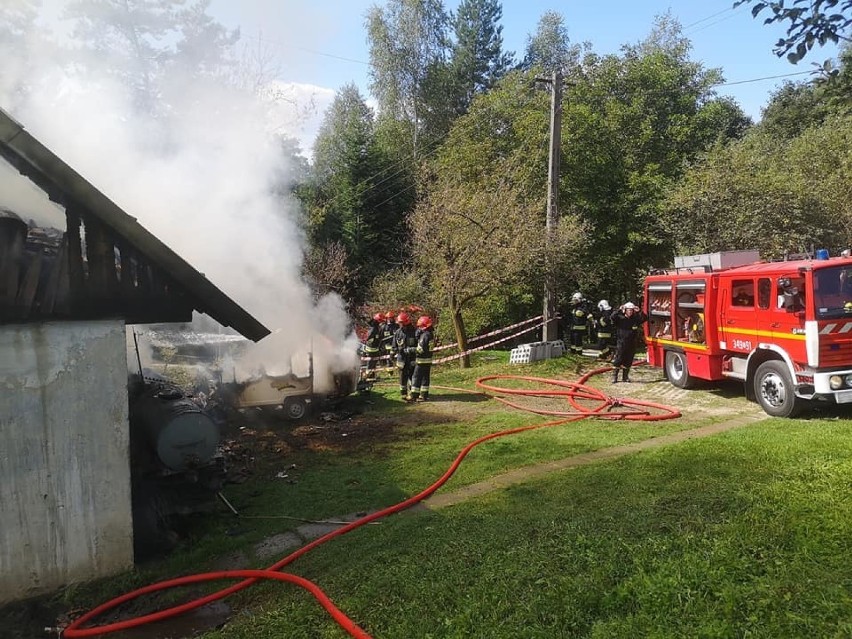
(835, 354)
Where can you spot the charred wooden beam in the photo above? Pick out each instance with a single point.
(25, 299)
(100, 255)
(13, 233)
(76, 275)
(56, 297)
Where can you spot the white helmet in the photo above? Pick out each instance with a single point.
(577, 297)
(629, 306)
(603, 305)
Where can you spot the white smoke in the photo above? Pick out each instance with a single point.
(200, 177)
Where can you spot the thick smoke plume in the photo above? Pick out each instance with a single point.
(192, 157)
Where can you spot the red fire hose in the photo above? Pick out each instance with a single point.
(578, 395)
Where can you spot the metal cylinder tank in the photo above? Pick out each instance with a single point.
(176, 429)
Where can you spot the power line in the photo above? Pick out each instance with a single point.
(708, 17)
(314, 51)
(768, 77)
(712, 24)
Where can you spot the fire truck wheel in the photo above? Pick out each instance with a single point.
(676, 370)
(773, 389)
(295, 408)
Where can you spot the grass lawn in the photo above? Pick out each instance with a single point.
(744, 534)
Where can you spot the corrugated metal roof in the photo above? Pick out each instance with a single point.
(65, 185)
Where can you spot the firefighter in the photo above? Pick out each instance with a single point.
(423, 360)
(578, 320)
(372, 344)
(790, 296)
(604, 344)
(388, 330)
(627, 322)
(405, 351)
(742, 298)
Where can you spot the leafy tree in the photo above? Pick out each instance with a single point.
(723, 118)
(205, 46)
(751, 195)
(471, 242)
(130, 33)
(479, 232)
(408, 44)
(478, 60)
(810, 22)
(629, 131)
(399, 288)
(792, 108)
(835, 85)
(356, 190)
(328, 270)
(821, 167)
(549, 49)
(152, 45)
(797, 106)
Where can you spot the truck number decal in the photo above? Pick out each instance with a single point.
(741, 344)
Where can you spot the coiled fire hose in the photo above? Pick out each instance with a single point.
(585, 401)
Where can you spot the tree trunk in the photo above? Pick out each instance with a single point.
(461, 336)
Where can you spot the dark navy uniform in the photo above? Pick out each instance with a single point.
(628, 327)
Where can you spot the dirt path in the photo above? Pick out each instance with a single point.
(520, 475)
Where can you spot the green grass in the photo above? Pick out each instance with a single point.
(744, 534)
(741, 535)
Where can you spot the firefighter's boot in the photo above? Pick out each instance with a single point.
(413, 396)
(625, 372)
(424, 396)
(615, 375)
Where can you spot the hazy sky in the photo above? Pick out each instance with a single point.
(322, 44)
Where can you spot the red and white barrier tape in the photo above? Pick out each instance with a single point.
(477, 348)
(472, 339)
(484, 335)
(484, 346)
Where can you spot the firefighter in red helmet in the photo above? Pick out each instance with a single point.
(372, 344)
(405, 350)
(422, 360)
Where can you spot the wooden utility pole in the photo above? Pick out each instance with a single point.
(551, 329)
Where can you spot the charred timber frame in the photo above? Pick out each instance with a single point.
(108, 264)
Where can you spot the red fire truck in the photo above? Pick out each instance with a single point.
(784, 328)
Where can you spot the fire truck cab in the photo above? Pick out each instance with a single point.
(784, 328)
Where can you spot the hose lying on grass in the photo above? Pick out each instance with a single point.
(585, 401)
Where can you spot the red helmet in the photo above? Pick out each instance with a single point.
(424, 322)
(378, 317)
(403, 319)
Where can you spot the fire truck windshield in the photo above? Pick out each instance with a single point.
(833, 292)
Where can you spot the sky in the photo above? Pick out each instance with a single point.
(322, 45)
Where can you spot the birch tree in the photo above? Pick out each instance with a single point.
(408, 43)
